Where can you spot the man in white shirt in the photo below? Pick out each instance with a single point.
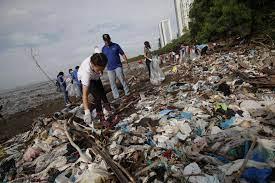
(89, 74)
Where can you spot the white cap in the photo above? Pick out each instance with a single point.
(97, 50)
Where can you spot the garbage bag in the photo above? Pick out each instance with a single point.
(73, 90)
(265, 151)
(94, 174)
(193, 168)
(156, 76)
(7, 170)
(193, 55)
(31, 153)
(255, 175)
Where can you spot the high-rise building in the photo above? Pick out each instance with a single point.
(182, 8)
(165, 32)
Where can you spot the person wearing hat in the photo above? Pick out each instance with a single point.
(114, 66)
(89, 74)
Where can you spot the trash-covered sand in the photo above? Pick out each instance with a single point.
(211, 120)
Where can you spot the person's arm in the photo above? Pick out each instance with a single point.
(145, 54)
(85, 97)
(125, 58)
(121, 52)
(87, 113)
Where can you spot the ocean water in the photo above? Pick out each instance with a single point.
(24, 98)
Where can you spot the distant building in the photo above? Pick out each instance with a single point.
(182, 8)
(165, 32)
(159, 43)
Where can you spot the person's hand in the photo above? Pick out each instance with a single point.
(87, 116)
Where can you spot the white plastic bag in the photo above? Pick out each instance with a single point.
(193, 55)
(156, 76)
(73, 89)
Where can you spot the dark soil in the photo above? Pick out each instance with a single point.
(21, 121)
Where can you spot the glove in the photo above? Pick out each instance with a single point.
(87, 116)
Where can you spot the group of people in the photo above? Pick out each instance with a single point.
(185, 53)
(63, 82)
(87, 77)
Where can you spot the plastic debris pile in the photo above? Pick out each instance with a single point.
(204, 124)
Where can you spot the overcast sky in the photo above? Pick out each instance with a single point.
(66, 31)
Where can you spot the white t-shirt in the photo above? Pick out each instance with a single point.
(85, 72)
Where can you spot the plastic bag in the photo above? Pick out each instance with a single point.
(193, 55)
(156, 76)
(184, 56)
(73, 89)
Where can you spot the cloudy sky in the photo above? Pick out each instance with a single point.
(64, 32)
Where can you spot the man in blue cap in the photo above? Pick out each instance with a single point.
(114, 66)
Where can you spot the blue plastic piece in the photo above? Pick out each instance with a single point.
(165, 112)
(186, 115)
(228, 123)
(254, 175)
(222, 159)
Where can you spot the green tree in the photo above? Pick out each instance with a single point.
(217, 18)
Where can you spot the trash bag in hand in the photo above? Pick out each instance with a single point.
(156, 76)
(73, 89)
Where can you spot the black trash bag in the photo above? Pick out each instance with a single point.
(224, 88)
(7, 170)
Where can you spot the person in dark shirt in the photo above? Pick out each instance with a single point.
(63, 85)
(148, 55)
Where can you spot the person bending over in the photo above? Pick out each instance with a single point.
(89, 74)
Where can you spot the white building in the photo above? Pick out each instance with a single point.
(182, 8)
(165, 32)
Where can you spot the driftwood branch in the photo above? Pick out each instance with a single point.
(257, 42)
(272, 42)
(103, 153)
(156, 163)
(121, 109)
(83, 157)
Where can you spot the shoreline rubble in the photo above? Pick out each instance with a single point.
(205, 123)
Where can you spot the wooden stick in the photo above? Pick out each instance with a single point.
(121, 109)
(270, 39)
(83, 156)
(96, 150)
(257, 42)
(188, 175)
(147, 168)
(248, 155)
(126, 172)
